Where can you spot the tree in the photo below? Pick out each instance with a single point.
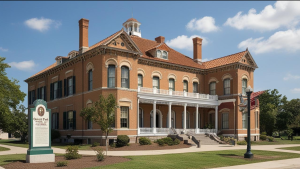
(288, 115)
(10, 94)
(102, 112)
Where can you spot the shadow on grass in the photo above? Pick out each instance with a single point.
(10, 161)
(227, 155)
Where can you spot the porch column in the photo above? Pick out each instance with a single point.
(170, 114)
(184, 118)
(138, 115)
(154, 117)
(197, 119)
(216, 119)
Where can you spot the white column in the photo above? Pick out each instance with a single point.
(184, 118)
(170, 114)
(154, 117)
(216, 119)
(138, 115)
(197, 119)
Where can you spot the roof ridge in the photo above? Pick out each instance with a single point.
(106, 38)
(225, 56)
(133, 36)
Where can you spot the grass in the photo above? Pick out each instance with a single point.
(80, 147)
(277, 141)
(4, 149)
(210, 159)
(291, 148)
(5, 159)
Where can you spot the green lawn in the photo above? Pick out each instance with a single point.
(291, 148)
(201, 159)
(80, 147)
(5, 159)
(4, 149)
(277, 141)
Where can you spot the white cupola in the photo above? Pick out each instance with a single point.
(132, 27)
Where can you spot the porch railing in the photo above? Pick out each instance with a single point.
(203, 131)
(177, 93)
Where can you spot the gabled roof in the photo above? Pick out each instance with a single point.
(105, 40)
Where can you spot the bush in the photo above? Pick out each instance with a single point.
(263, 133)
(271, 139)
(54, 134)
(122, 140)
(144, 141)
(100, 154)
(72, 153)
(263, 137)
(242, 142)
(95, 144)
(222, 138)
(113, 145)
(62, 163)
(160, 142)
(176, 141)
(167, 140)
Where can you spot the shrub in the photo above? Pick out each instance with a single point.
(144, 141)
(222, 138)
(113, 145)
(100, 154)
(263, 137)
(95, 144)
(54, 134)
(271, 139)
(160, 142)
(62, 163)
(167, 140)
(263, 133)
(72, 153)
(122, 140)
(242, 142)
(176, 141)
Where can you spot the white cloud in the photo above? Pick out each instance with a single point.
(282, 13)
(206, 59)
(283, 40)
(293, 77)
(296, 90)
(42, 24)
(25, 65)
(184, 42)
(3, 49)
(204, 25)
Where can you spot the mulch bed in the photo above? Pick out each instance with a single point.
(84, 162)
(137, 146)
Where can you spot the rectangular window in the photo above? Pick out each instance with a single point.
(225, 121)
(256, 119)
(124, 77)
(185, 86)
(212, 119)
(140, 80)
(195, 87)
(124, 117)
(70, 86)
(55, 92)
(90, 80)
(90, 124)
(111, 76)
(155, 82)
(212, 88)
(55, 121)
(227, 87)
(42, 90)
(172, 84)
(70, 120)
(31, 96)
(245, 121)
(244, 86)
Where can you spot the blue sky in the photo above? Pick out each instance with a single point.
(34, 33)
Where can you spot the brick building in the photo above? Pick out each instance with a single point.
(158, 89)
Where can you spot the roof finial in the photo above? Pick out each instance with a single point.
(247, 49)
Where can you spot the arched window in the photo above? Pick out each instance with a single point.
(90, 85)
(212, 88)
(171, 84)
(155, 82)
(195, 87)
(227, 86)
(111, 76)
(185, 86)
(140, 80)
(124, 77)
(244, 86)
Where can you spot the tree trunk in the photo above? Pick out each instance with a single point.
(106, 140)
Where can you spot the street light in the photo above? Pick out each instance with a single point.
(248, 154)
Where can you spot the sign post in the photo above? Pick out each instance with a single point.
(39, 134)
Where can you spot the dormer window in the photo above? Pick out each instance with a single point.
(58, 62)
(162, 54)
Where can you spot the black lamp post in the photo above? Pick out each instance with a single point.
(248, 154)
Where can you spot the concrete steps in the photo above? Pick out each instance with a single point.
(186, 139)
(205, 140)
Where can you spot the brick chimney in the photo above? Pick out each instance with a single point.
(83, 35)
(197, 49)
(160, 39)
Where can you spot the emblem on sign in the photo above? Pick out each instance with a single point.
(41, 111)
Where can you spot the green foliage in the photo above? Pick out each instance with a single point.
(208, 126)
(167, 140)
(95, 144)
(221, 138)
(290, 132)
(54, 134)
(270, 138)
(122, 140)
(102, 112)
(100, 154)
(244, 142)
(160, 142)
(264, 133)
(72, 153)
(144, 141)
(176, 141)
(113, 145)
(263, 137)
(62, 163)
